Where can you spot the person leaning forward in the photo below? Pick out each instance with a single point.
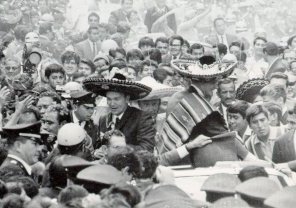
(136, 125)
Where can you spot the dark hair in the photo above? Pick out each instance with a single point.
(45, 28)
(149, 164)
(134, 53)
(280, 75)
(170, 71)
(241, 56)
(271, 49)
(57, 173)
(90, 64)
(176, 37)
(273, 108)
(217, 19)
(123, 27)
(72, 192)
(259, 38)
(255, 110)
(54, 68)
(240, 45)
(3, 189)
(148, 62)
(186, 43)
(251, 172)
(93, 14)
(289, 42)
(119, 63)
(112, 52)
(160, 75)
(70, 55)
(27, 183)
(125, 157)
(3, 155)
(240, 107)
(107, 136)
(56, 98)
(275, 91)
(146, 41)
(290, 64)
(62, 112)
(222, 48)
(162, 39)
(196, 46)
(154, 55)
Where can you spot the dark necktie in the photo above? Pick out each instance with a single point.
(94, 49)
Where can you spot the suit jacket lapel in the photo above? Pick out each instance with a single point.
(291, 146)
(125, 117)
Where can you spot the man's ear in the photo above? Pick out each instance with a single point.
(17, 146)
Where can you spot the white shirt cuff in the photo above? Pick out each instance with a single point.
(182, 151)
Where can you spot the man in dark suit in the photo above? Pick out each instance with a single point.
(220, 36)
(90, 47)
(136, 125)
(284, 148)
(84, 104)
(154, 13)
(121, 15)
(272, 57)
(175, 50)
(23, 148)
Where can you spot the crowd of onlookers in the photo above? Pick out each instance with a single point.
(46, 55)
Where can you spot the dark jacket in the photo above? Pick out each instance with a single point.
(283, 149)
(153, 14)
(136, 125)
(14, 166)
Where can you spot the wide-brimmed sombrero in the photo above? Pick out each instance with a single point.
(204, 69)
(250, 89)
(158, 90)
(101, 86)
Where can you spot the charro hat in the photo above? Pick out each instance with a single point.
(117, 84)
(221, 183)
(249, 89)
(204, 69)
(158, 90)
(258, 188)
(29, 131)
(283, 198)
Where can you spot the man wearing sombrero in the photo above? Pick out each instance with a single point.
(193, 126)
(136, 125)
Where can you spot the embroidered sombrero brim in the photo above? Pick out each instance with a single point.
(158, 90)
(101, 86)
(194, 70)
(249, 89)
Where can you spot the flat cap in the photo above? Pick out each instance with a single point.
(30, 131)
(168, 196)
(230, 202)
(258, 188)
(283, 198)
(83, 97)
(221, 183)
(102, 174)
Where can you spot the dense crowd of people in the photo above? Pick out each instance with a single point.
(99, 97)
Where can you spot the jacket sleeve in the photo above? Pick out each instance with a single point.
(145, 133)
(169, 158)
(276, 153)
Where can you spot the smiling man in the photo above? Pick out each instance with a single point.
(136, 125)
(262, 140)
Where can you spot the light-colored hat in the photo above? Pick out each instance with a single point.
(158, 90)
(283, 198)
(71, 134)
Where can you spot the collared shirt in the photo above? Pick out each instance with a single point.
(26, 166)
(267, 147)
(223, 39)
(76, 120)
(92, 46)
